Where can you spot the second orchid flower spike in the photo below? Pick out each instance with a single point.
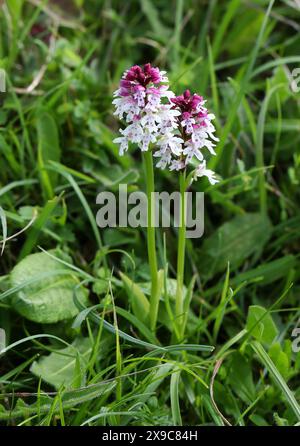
(195, 132)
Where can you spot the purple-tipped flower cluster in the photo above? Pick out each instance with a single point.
(178, 127)
(139, 101)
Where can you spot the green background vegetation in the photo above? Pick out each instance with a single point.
(68, 365)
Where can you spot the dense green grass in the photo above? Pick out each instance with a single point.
(103, 366)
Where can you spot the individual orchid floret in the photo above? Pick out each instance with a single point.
(190, 151)
(165, 158)
(201, 171)
(178, 164)
(143, 100)
(171, 142)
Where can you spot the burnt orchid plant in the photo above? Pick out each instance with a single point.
(175, 130)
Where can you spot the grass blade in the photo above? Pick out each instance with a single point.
(174, 395)
(270, 366)
(4, 228)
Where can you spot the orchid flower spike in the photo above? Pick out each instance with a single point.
(143, 100)
(196, 132)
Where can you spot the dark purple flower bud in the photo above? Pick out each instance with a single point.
(187, 94)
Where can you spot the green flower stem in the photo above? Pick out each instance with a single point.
(181, 254)
(154, 298)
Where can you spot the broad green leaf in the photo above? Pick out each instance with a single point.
(171, 284)
(138, 300)
(280, 78)
(70, 58)
(280, 359)
(258, 420)
(241, 379)
(48, 150)
(119, 237)
(280, 421)
(60, 368)
(50, 299)
(234, 242)
(171, 288)
(261, 324)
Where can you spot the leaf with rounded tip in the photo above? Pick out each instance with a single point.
(139, 302)
(45, 299)
(171, 288)
(261, 325)
(59, 368)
